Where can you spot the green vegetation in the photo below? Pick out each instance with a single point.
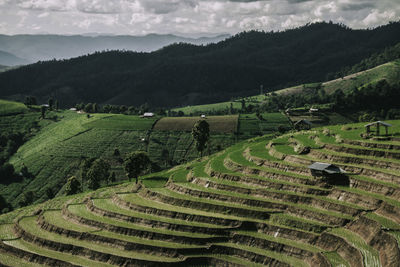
(203, 74)
(11, 108)
(175, 213)
(121, 122)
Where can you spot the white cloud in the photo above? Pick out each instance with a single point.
(186, 16)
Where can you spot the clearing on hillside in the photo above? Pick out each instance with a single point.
(121, 122)
(218, 124)
(10, 107)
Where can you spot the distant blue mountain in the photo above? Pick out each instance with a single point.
(8, 59)
(47, 47)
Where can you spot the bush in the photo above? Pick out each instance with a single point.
(27, 199)
(73, 186)
(366, 117)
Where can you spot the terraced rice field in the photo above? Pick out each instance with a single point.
(253, 204)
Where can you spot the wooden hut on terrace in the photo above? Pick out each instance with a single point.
(329, 172)
(378, 125)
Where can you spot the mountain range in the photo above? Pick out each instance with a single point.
(187, 74)
(35, 48)
(8, 59)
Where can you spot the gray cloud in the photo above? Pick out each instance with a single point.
(186, 16)
(356, 6)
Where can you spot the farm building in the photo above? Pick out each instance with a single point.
(203, 116)
(377, 124)
(321, 169)
(329, 173)
(148, 115)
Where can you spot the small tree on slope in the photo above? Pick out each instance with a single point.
(201, 134)
(135, 163)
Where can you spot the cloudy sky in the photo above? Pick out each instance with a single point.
(188, 17)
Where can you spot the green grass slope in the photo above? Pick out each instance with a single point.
(389, 71)
(252, 204)
(10, 108)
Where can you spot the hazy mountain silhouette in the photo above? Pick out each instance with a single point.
(48, 47)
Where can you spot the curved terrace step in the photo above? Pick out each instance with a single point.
(278, 195)
(147, 206)
(151, 221)
(47, 240)
(131, 229)
(301, 212)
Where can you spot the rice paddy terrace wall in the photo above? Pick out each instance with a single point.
(254, 204)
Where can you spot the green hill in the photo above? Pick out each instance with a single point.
(254, 204)
(11, 108)
(51, 150)
(184, 73)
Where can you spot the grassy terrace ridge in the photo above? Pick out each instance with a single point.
(370, 255)
(26, 246)
(282, 258)
(262, 199)
(170, 193)
(107, 204)
(226, 203)
(30, 226)
(57, 219)
(81, 211)
(11, 108)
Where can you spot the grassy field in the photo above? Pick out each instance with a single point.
(221, 106)
(121, 122)
(250, 125)
(218, 124)
(10, 108)
(389, 72)
(218, 193)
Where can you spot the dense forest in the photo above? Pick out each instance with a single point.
(185, 74)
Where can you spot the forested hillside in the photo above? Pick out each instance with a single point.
(182, 74)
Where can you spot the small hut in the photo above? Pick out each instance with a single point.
(330, 173)
(378, 125)
(302, 125)
(322, 169)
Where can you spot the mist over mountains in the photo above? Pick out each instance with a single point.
(33, 48)
(186, 74)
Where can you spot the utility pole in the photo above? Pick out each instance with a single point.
(261, 89)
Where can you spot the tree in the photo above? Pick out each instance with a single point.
(7, 172)
(95, 108)
(99, 171)
(165, 156)
(243, 104)
(30, 100)
(49, 193)
(3, 205)
(135, 164)
(57, 105)
(88, 107)
(51, 103)
(201, 134)
(27, 198)
(85, 166)
(111, 178)
(43, 111)
(73, 186)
